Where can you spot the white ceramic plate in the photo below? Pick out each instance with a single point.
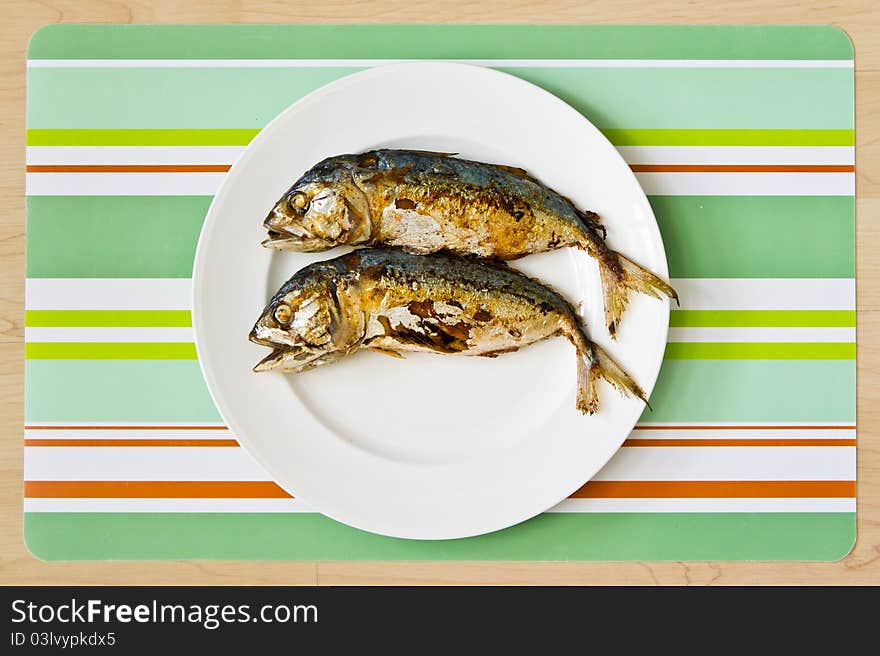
(432, 446)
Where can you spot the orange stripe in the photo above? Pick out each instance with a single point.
(127, 168)
(743, 168)
(128, 442)
(592, 490)
(70, 428)
(630, 442)
(154, 490)
(638, 168)
(740, 442)
(638, 427)
(714, 489)
(742, 427)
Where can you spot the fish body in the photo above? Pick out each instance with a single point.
(425, 202)
(393, 302)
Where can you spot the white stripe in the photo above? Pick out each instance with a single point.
(658, 184)
(695, 293)
(759, 334)
(132, 463)
(108, 293)
(156, 334)
(569, 505)
(112, 335)
(629, 464)
(83, 334)
(766, 293)
(133, 154)
(366, 63)
(706, 505)
(738, 463)
(72, 155)
(841, 155)
(747, 184)
(86, 432)
(123, 184)
(743, 433)
(744, 425)
(115, 434)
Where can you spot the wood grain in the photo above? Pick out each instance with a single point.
(859, 18)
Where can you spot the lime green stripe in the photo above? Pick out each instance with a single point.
(634, 137)
(760, 351)
(165, 137)
(764, 236)
(107, 318)
(439, 41)
(552, 536)
(110, 351)
(619, 137)
(762, 318)
(679, 318)
(674, 351)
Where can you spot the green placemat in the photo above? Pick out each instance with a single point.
(741, 136)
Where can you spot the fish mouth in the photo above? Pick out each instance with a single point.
(283, 241)
(289, 359)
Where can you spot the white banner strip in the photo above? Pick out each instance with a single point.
(108, 293)
(766, 293)
(164, 432)
(90, 334)
(759, 334)
(629, 464)
(659, 184)
(568, 505)
(747, 184)
(695, 293)
(817, 155)
(123, 184)
(141, 154)
(500, 63)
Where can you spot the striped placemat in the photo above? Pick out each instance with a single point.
(741, 136)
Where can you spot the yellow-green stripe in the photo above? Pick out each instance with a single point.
(617, 136)
(762, 319)
(107, 318)
(760, 351)
(674, 351)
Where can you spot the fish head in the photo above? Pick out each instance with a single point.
(324, 209)
(304, 325)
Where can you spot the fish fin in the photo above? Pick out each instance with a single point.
(619, 278)
(513, 169)
(591, 221)
(594, 364)
(433, 153)
(384, 351)
(518, 172)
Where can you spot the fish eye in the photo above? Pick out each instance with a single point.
(283, 314)
(298, 202)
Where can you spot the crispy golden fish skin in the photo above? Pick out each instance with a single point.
(391, 301)
(426, 202)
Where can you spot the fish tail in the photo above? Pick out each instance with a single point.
(620, 276)
(593, 364)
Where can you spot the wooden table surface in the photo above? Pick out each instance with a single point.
(859, 18)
